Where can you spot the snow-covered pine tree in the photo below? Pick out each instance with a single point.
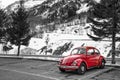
(3, 24)
(105, 19)
(20, 30)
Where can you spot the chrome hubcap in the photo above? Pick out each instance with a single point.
(103, 63)
(82, 68)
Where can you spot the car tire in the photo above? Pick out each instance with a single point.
(102, 65)
(82, 69)
(62, 70)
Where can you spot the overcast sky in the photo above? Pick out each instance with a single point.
(5, 3)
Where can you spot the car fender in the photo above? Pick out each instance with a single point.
(79, 61)
(100, 59)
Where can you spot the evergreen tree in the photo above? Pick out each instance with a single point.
(20, 29)
(105, 19)
(3, 24)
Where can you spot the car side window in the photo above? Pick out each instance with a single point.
(75, 51)
(90, 52)
(96, 51)
(82, 51)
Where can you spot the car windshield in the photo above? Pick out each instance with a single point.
(78, 51)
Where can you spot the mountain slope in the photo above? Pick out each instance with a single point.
(55, 11)
(51, 12)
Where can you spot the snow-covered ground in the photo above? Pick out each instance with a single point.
(57, 39)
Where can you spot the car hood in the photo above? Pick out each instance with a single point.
(69, 59)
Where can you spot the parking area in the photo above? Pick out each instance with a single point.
(24, 69)
(113, 74)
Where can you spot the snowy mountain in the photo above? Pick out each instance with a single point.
(54, 11)
(48, 13)
(51, 11)
(28, 4)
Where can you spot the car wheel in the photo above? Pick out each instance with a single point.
(82, 69)
(62, 70)
(102, 64)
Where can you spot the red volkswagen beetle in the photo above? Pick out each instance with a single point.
(81, 59)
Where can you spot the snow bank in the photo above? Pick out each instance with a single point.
(56, 40)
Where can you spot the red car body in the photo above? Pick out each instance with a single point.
(81, 59)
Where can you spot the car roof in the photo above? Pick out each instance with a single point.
(87, 47)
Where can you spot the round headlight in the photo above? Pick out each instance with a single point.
(74, 63)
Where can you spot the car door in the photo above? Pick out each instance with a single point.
(96, 57)
(90, 57)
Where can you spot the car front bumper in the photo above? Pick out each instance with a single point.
(68, 67)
